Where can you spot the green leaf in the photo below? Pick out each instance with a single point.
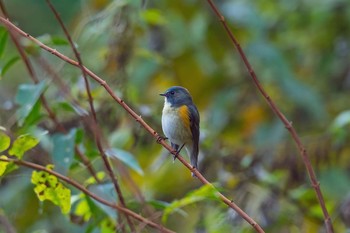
(107, 226)
(331, 189)
(91, 180)
(107, 192)
(3, 165)
(63, 107)
(4, 141)
(82, 209)
(126, 158)
(339, 127)
(79, 135)
(79, 110)
(59, 40)
(63, 150)
(34, 116)
(205, 192)
(8, 65)
(121, 138)
(162, 205)
(341, 120)
(48, 187)
(153, 17)
(71, 107)
(6, 166)
(53, 40)
(3, 41)
(27, 95)
(158, 205)
(22, 144)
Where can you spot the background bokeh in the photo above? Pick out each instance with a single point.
(300, 52)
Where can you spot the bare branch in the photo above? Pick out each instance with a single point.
(51, 114)
(95, 126)
(87, 192)
(137, 118)
(281, 116)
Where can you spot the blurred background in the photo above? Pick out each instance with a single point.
(298, 49)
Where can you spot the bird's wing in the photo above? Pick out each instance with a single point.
(194, 124)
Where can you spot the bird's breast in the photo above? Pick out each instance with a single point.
(176, 124)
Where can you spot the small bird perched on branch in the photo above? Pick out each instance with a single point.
(180, 122)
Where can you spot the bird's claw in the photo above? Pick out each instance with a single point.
(160, 138)
(176, 152)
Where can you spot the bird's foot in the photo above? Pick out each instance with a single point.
(192, 173)
(160, 138)
(178, 151)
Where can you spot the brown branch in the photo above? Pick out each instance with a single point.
(97, 131)
(281, 116)
(77, 55)
(43, 100)
(65, 89)
(138, 118)
(87, 192)
(6, 224)
(30, 70)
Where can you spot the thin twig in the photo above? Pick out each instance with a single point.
(138, 118)
(96, 129)
(281, 116)
(30, 70)
(124, 173)
(87, 192)
(43, 100)
(64, 88)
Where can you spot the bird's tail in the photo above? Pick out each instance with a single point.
(192, 151)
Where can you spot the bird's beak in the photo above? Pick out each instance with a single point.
(163, 94)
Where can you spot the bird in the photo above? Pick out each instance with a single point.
(180, 122)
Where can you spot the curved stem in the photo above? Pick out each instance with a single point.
(43, 100)
(95, 126)
(87, 192)
(137, 118)
(281, 116)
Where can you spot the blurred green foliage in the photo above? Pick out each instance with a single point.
(300, 51)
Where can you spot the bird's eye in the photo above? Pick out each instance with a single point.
(172, 92)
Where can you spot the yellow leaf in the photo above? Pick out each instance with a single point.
(48, 187)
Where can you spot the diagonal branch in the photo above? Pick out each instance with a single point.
(50, 113)
(87, 192)
(138, 119)
(95, 127)
(281, 116)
